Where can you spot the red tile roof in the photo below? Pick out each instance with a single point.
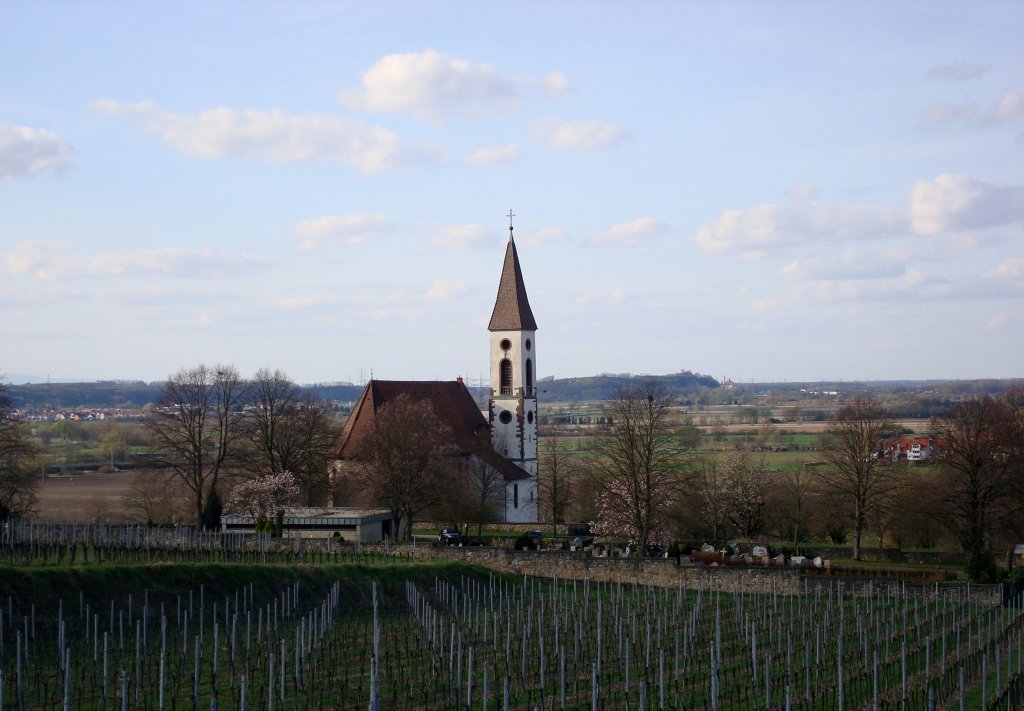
(453, 405)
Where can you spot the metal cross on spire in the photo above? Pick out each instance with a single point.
(510, 216)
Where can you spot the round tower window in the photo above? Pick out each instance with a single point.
(505, 417)
(505, 344)
(528, 344)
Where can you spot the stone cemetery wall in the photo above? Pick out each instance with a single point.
(663, 572)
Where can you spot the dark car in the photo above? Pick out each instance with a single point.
(449, 537)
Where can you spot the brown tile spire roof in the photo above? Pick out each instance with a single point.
(512, 308)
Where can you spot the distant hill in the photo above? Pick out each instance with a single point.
(603, 387)
(136, 394)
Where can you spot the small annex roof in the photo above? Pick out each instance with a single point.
(512, 310)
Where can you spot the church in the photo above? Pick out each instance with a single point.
(511, 422)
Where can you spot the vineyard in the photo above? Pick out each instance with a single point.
(405, 636)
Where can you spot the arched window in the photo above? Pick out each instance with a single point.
(506, 376)
(529, 377)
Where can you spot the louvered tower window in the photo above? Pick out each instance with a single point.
(506, 376)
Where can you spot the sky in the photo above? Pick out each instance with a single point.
(762, 191)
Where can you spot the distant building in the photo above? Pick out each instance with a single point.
(349, 524)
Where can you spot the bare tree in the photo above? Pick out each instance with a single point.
(857, 477)
(152, 498)
(712, 500)
(980, 453)
(17, 463)
(290, 430)
(792, 502)
(639, 462)
(407, 461)
(745, 493)
(483, 487)
(557, 478)
(195, 431)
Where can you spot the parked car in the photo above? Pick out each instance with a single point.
(449, 537)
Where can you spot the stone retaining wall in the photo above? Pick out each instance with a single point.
(663, 572)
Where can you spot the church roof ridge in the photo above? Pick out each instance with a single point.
(512, 310)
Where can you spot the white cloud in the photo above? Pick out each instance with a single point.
(458, 238)
(493, 156)
(996, 321)
(444, 289)
(47, 261)
(583, 135)
(543, 236)
(958, 71)
(268, 135)
(765, 305)
(353, 228)
(628, 234)
(1009, 268)
(430, 85)
(956, 202)
(26, 151)
(776, 227)
(555, 84)
(1009, 107)
(291, 303)
(617, 295)
(846, 267)
(802, 192)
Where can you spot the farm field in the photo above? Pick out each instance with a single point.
(407, 635)
(80, 498)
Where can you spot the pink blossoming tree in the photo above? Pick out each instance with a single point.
(263, 498)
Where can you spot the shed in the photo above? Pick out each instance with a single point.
(350, 524)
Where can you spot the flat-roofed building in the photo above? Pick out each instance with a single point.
(350, 524)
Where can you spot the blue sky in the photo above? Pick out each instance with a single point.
(764, 191)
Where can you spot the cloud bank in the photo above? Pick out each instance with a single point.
(26, 151)
(267, 135)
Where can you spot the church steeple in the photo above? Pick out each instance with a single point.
(512, 307)
(513, 401)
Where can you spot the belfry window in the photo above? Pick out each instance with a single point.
(506, 376)
(529, 377)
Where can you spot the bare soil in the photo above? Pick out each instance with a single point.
(85, 497)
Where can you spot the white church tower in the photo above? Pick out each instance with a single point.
(513, 401)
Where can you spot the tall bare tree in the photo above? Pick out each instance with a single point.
(745, 493)
(556, 480)
(792, 502)
(640, 463)
(980, 453)
(407, 461)
(712, 499)
(195, 431)
(857, 477)
(289, 429)
(482, 487)
(17, 463)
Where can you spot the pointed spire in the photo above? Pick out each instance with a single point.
(512, 307)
